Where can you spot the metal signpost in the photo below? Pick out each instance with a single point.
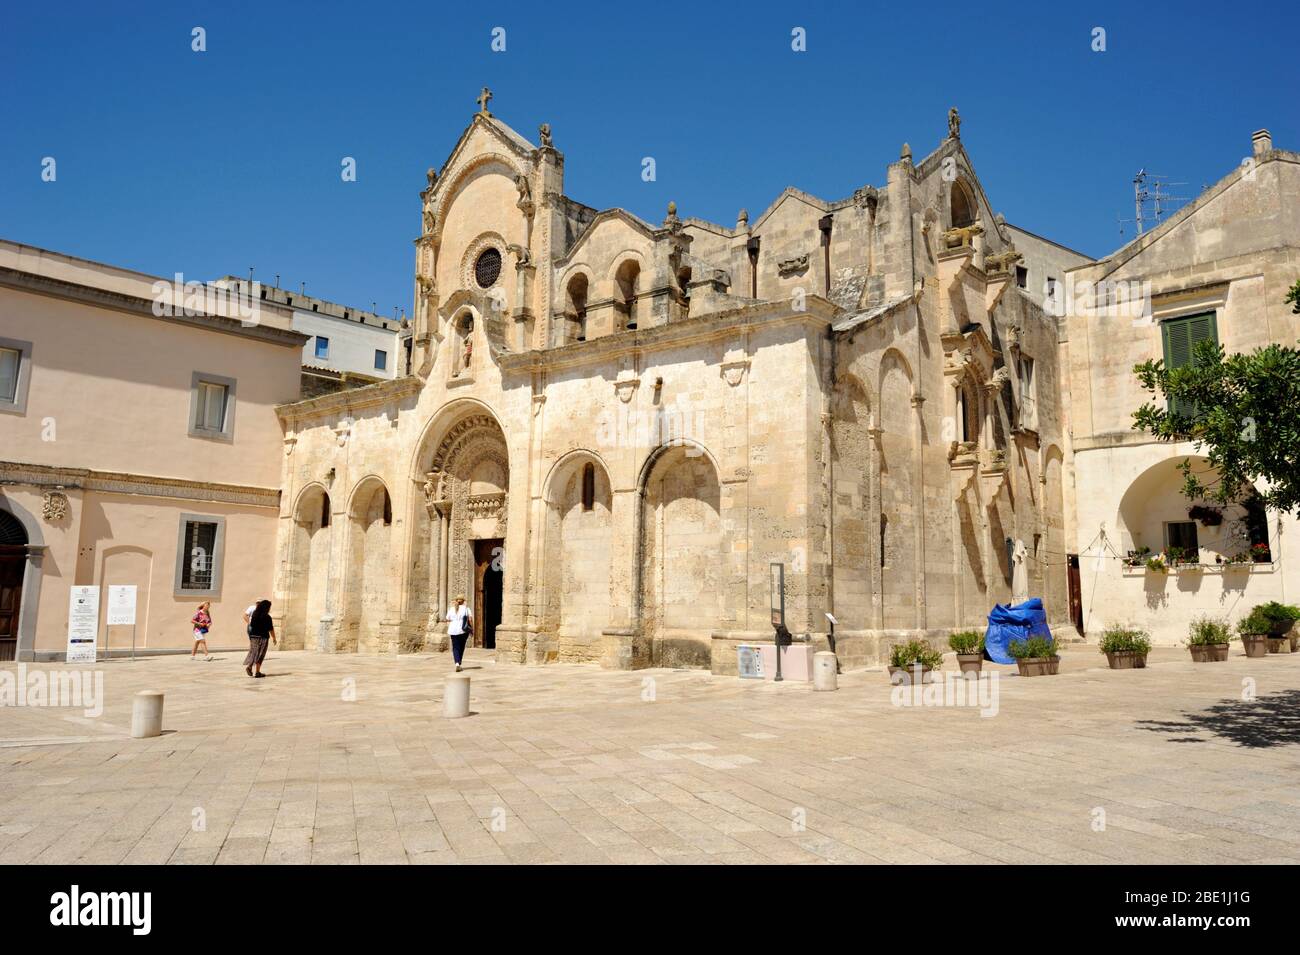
(778, 612)
(121, 610)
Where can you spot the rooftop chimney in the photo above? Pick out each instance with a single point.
(1261, 141)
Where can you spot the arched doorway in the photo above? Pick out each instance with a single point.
(576, 549)
(368, 570)
(682, 558)
(13, 564)
(309, 559)
(459, 525)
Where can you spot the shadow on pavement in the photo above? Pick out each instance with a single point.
(1272, 720)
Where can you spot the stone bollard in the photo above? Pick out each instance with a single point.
(455, 696)
(824, 676)
(146, 714)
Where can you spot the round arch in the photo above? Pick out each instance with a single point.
(447, 197)
(32, 554)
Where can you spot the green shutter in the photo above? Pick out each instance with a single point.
(1180, 337)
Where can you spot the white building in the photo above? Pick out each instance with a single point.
(342, 341)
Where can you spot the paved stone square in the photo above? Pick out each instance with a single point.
(570, 763)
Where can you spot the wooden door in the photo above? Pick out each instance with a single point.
(488, 579)
(1076, 593)
(13, 562)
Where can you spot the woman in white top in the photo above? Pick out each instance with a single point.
(459, 627)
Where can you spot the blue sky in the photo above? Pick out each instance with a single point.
(209, 163)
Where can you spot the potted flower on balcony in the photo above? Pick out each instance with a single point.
(1254, 629)
(1157, 564)
(1281, 618)
(1036, 656)
(1126, 648)
(1208, 639)
(969, 646)
(910, 662)
(1136, 558)
(1260, 553)
(1183, 559)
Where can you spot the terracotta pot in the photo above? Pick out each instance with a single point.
(1279, 644)
(1038, 666)
(970, 662)
(1255, 644)
(1126, 660)
(1209, 653)
(908, 676)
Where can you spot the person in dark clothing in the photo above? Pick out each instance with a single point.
(261, 633)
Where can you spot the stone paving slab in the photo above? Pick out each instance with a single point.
(346, 760)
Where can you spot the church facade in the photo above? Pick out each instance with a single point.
(613, 428)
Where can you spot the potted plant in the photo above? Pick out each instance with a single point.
(1036, 656)
(1260, 553)
(910, 662)
(1157, 564)
(1136, 558)
(1254, 629)
(969, 646)
(1281, 623)
(1208, 639)
(1126, 648)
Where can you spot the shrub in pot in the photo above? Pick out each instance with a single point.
(1035, 656)
(910, 662)
(1253, 629)
(969, 646)
(1126, 648)
(1208, 639)
(1282, 632)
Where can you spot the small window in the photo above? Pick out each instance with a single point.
(199, 554)
(324, 510)
(884, 533)
(588, 487)
(488, 268)
(212, 406)
(388, 509)
(322, 347)
(211, 411)
(1182, 535)
(1022, 276)
(1180, 337)
(381, 360)
(15, 375)
(10, 359)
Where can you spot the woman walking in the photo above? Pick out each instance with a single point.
(459, 626)
(261, 633)
(202, 622)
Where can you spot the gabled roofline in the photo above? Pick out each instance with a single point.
(1139, 244)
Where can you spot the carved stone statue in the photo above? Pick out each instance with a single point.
(430, 219)
(954, 123)
(432, 176)
(544, 132)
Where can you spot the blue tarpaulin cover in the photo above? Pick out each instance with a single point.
(1014, 622)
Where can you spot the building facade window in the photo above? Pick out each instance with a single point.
(1180, 336)
(588, 487)
(1181, 535)
(15, 375)
(212, 406)
(200, 549)
(381, 360)
(322, 347)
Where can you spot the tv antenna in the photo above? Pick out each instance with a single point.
(1151, 200)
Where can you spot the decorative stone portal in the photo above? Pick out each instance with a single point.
(460, 528)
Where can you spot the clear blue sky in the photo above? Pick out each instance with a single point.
(208, 163)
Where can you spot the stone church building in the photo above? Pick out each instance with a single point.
(612, 428)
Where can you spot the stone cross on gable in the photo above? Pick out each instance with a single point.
(483, 99)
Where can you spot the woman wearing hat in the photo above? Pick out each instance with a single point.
(459, 626)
